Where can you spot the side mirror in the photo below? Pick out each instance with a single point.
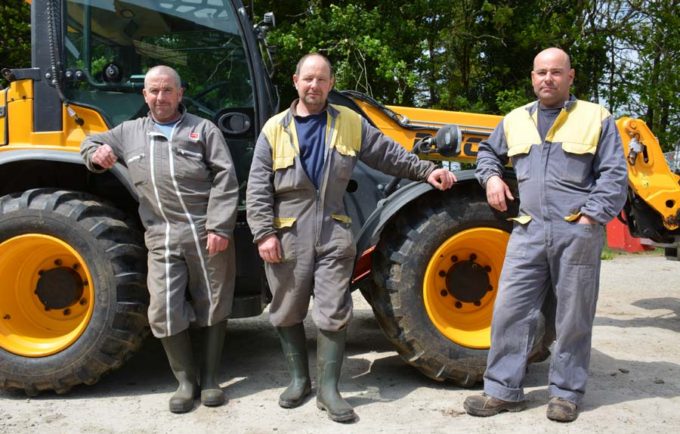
(446, 142)
(448, 139)
(234, 123)
(269, 20)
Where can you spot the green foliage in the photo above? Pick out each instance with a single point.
(472, 55)
(15, 35)
(509, 99)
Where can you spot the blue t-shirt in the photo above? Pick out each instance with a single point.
(311, 135)
(166, 129)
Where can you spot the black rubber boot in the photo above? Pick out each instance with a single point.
(213, 342)
(294, 347)
(330, 352)
(181, 359)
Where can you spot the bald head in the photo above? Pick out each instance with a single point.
(556, 54)
(552, 77)
(162, 70)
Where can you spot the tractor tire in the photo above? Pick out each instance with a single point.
(73, 297)
(435, 277)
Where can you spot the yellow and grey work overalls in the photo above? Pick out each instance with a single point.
(579, 169)
(312, 225)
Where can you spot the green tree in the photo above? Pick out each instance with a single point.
(15, 35)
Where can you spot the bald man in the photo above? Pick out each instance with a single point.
(572, 179)
(188, 193)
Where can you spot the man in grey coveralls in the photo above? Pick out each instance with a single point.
(184, 176)
(572, 179)
(302, 164)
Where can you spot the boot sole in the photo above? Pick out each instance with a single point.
(486, 412)
(181, 407)
(293, 403)
(343, 418)
(213, 402)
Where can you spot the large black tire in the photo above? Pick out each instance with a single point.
(431, 237)
(101, 267)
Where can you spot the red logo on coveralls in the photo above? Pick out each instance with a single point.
(193, 137)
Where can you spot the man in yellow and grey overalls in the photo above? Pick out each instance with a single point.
(572, 179)
(302, 164)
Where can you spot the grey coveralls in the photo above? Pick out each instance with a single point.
(312, 225)
(579, 169)
(187, 186)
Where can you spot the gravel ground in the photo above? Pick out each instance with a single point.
(634, 378)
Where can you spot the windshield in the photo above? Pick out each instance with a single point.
(110, 44)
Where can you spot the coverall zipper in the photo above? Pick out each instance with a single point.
(320, 193)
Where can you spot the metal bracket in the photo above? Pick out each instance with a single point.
(21, 74)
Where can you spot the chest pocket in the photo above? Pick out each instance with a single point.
(577, 167)
(520, 156)
(138, 166)
(344, 160)
(190, 162)
(283, 164)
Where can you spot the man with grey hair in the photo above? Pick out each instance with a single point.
(572, 179)
(183, 174)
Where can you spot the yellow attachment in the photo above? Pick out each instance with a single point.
(649, 175)
(27, 327)
(466, 323)
(475, 127)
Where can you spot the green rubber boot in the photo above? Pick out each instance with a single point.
(213, 342)
(294, 347)
(330, 351)
(181, 359)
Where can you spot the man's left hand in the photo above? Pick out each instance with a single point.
(441, 179)
(585, 220)
(216, 243)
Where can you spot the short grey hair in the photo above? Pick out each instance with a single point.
(307, 56)
(163, 70)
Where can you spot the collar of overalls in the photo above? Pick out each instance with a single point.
(568, 105)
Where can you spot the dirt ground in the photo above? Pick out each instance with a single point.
(634, 378)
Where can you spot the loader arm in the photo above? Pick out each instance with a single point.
(649, 177)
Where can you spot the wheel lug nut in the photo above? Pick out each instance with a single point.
(458, 305)
(443, 292)
(58, 262)
(67, 312)
(454, 258)
(473, 256)
(83, 302)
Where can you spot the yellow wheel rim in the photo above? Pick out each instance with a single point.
(46, 295)
(461, 282)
